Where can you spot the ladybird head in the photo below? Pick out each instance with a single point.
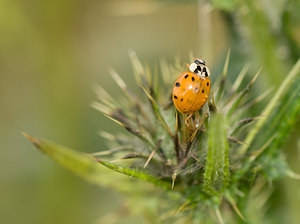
(199, 67)
(194, 68)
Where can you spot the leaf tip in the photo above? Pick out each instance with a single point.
(34, 141)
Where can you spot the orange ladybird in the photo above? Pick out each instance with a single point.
(191, 89)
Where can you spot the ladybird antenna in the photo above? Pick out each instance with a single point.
(188, 66)
(199, 62)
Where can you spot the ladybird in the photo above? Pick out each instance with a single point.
(191, 89)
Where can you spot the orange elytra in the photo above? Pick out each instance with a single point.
(191, 89)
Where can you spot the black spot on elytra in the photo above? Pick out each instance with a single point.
(175, 97)
(207, 83)
(181, 99)
(177, 84)
(193, 79)
(202, 90)
(186, 76)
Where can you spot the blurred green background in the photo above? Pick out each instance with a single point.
(52, 53)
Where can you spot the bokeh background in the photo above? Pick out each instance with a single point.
(52, 53)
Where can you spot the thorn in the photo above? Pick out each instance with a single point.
(111, 151)
(219, 216)
(32, 139)
(115, 120)
(234, 206)
(182, 207)
(149, 158)
(225, 69)
(152, 153)
(254, 78)
(235, 140)
(173, 180)
(293, 175)
(117, 78)
(255, 154)
(240, 77)
(132, 156)
(195, 157)
(100, 107)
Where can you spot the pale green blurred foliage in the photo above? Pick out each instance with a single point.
(53, 52)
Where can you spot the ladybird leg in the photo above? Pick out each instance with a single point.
(194, 121)
(187, 119)
(202, 119)
(197, 120)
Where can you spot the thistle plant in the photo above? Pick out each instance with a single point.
(214, 171)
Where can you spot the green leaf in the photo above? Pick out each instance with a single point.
(137, 174)
(275, 101)
(283, 118)
(223, 78)
(283, 111)
(216, 175)
(89, 169)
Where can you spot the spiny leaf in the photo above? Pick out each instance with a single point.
(100, 107)
(237, 100)
(271, 106)
(130, 95)
(111, 151)
(81, 164)
(88, 168)
(234, 140)
(240, 78)
(165, 71)
(241, 123)
(223, 78)
(158, 113)
(104, 97)
(284, 116)
(129, 128)
(121, 84)
(219, 216)
(139, 70)
(250, 159)
(216, 175)
(137, 174)
(153, 152)
(255, 100)
(234, 205)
